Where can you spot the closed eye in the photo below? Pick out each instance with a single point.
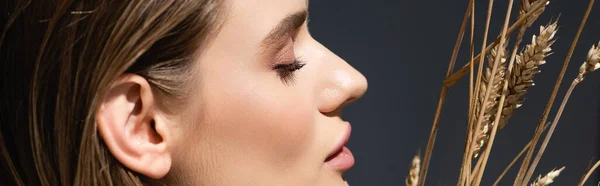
(286, 71)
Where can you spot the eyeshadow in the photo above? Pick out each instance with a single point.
(285, 54)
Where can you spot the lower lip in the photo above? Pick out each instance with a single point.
(343, 160)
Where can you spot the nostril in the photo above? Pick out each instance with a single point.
(335, 113)
(338, 110)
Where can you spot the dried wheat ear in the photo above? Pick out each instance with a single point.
(548, 179)
(413, 174)
(521, 78)
(526, 67)
(526, 6)
(492, 101)
(592, 62)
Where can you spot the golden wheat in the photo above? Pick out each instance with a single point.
(413, 174)
(592, 62)
(525, 69)
(529, 12)
(500, 90)
(492, 102)
(488, 121)
(527, 6)
(590, 65)
(548, 179)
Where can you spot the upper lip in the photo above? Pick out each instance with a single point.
(342, 141)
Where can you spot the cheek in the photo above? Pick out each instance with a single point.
(264, 119)
(276, 120)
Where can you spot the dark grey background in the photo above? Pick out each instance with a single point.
(403, 48)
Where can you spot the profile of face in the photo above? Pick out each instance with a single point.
(265, 109)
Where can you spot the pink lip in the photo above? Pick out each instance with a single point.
(341, 158)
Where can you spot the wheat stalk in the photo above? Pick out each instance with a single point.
(512, 163)
(530, 169)
(503, 39)
(589, 173)
(553, 96)
(413, 174)
(492, 101)
(442, 99)
(529, 12)
(517, 158)
(591, 64)
(459, 74)
(465, 169)
(527, 66)
(526, 6)
(451, 79)
(548, 179)
(495, 92)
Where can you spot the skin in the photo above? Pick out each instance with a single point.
(245, 124)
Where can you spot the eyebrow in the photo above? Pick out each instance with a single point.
(286, 26)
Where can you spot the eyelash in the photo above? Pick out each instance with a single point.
(286, 71)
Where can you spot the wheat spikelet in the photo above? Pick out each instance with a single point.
(548, 179)
(483, 133)
(527, 5)
(495, 93)
(592, 62)
(413, 174)
(526, 67)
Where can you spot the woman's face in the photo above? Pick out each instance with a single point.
(267, 109)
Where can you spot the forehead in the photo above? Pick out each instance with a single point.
(260, 16)
(265, 7)
(246, 24)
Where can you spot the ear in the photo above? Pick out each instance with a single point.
(131, 128)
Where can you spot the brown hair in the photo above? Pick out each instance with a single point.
(57, 60)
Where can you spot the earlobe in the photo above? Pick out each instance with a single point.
(131, 128)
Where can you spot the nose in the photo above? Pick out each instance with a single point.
(341, 84)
